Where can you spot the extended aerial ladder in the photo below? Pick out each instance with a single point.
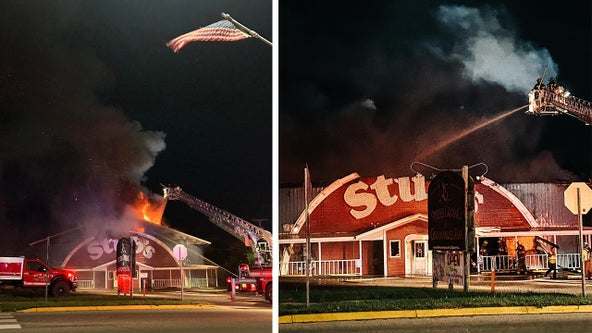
(553, 99)
(259, 239)
(259, 278)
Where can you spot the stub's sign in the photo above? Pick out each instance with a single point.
(446, 212)
(124, 250)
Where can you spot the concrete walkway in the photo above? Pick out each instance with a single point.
(501, 283)
(207, 298)
(116, 307)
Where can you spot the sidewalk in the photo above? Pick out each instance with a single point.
(208, 298)
(502, 283)
(477, 283)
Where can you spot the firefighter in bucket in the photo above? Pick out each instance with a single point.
(264, 257)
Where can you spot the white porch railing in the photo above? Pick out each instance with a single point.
(166, 283)
(86, 284)
(532, 261)
(568, 260)
(486, 264)
(176, 283)
(536, 261)
(501, 262)
(325, 267)
(196, 282)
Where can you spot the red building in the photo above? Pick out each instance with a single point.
(93, 257)
(378, 226)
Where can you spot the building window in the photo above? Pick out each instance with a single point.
(395, 249)
(419, 249)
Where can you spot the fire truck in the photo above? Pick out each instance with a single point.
(256, 278)
(552, 99)
(20, 272)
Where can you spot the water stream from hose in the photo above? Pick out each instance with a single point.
(468, 131)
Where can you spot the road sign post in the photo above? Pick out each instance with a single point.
(467, 263)
(578, 199)
(180, 252)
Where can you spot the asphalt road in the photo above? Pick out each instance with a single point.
(539, 323)
(210, 319)
(246, 313)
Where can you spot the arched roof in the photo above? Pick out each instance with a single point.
(353, 207)
(154, 244)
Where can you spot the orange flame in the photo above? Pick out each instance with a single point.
(150, 208)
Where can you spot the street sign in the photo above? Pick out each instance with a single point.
(571, 197)
(578, 199)
(180, 252)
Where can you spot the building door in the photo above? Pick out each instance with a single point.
(378, 258)
(99, 277)
(420, 258)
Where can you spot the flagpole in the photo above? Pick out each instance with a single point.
(245, 29)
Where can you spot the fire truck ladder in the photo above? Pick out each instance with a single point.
(552, 99)
(259, 239)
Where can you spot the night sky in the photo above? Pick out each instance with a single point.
(94, 109)
(372, 87)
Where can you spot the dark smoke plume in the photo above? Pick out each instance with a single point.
(377, 115)
(66, 158)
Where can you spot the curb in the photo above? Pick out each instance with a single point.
(115, 307)
(483, 311)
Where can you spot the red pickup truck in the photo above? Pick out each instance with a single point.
(21, 272)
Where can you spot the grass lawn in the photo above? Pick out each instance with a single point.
(328, 299)
(20, 299)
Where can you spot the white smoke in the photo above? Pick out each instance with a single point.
(149, 144)
(492, 53)
(368, 104)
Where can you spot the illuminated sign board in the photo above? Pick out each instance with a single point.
(446, 212)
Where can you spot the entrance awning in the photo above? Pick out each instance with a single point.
(378, 233)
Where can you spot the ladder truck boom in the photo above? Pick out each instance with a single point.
(258, 278)
(260, 240)
(553, 99)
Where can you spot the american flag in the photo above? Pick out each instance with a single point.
(221, 31)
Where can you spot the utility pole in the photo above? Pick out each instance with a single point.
(467, 263)
(46, 240)
(307, 190)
